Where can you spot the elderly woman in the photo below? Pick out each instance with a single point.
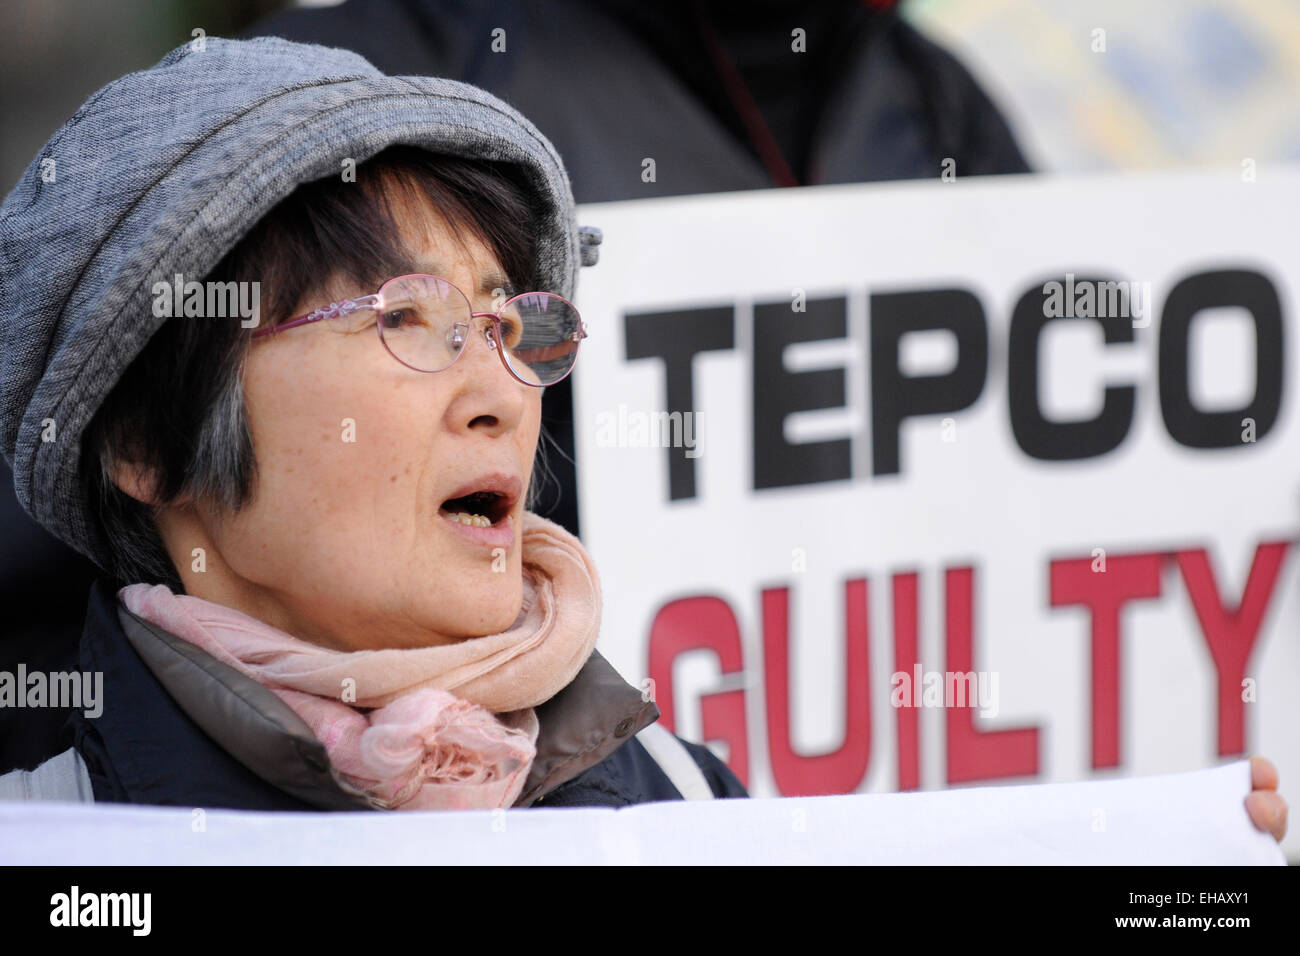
(275, 343)
(335, 594)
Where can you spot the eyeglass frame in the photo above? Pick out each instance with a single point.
(373, 301)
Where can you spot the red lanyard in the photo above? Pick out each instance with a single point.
(759, 133)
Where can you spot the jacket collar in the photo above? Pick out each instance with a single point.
(595, 714)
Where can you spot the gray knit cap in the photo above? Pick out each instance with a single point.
(163, 172)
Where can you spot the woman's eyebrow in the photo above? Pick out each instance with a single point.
(489, 283)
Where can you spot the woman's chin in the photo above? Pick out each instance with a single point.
(481, 621)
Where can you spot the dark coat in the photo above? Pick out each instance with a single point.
(179, 728)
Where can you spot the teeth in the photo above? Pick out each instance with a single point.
(476, 521)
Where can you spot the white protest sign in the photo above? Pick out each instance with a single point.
(1179, 819)
(986, 481)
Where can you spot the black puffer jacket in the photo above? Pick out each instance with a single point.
(179, 728)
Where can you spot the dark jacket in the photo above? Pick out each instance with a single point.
(180, 728)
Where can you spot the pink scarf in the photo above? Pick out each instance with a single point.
(429, 728)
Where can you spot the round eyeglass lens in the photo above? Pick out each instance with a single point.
(540, 333)
(424, 321)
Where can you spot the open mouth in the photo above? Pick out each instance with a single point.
(480, 509)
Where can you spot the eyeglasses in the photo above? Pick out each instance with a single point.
(424, 322)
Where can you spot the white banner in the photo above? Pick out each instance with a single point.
(1182, 819)
(912, 486)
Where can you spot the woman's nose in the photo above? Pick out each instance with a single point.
(483, 392)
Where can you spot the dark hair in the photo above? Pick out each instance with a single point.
(178, 410)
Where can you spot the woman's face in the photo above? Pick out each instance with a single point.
(345, 542)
